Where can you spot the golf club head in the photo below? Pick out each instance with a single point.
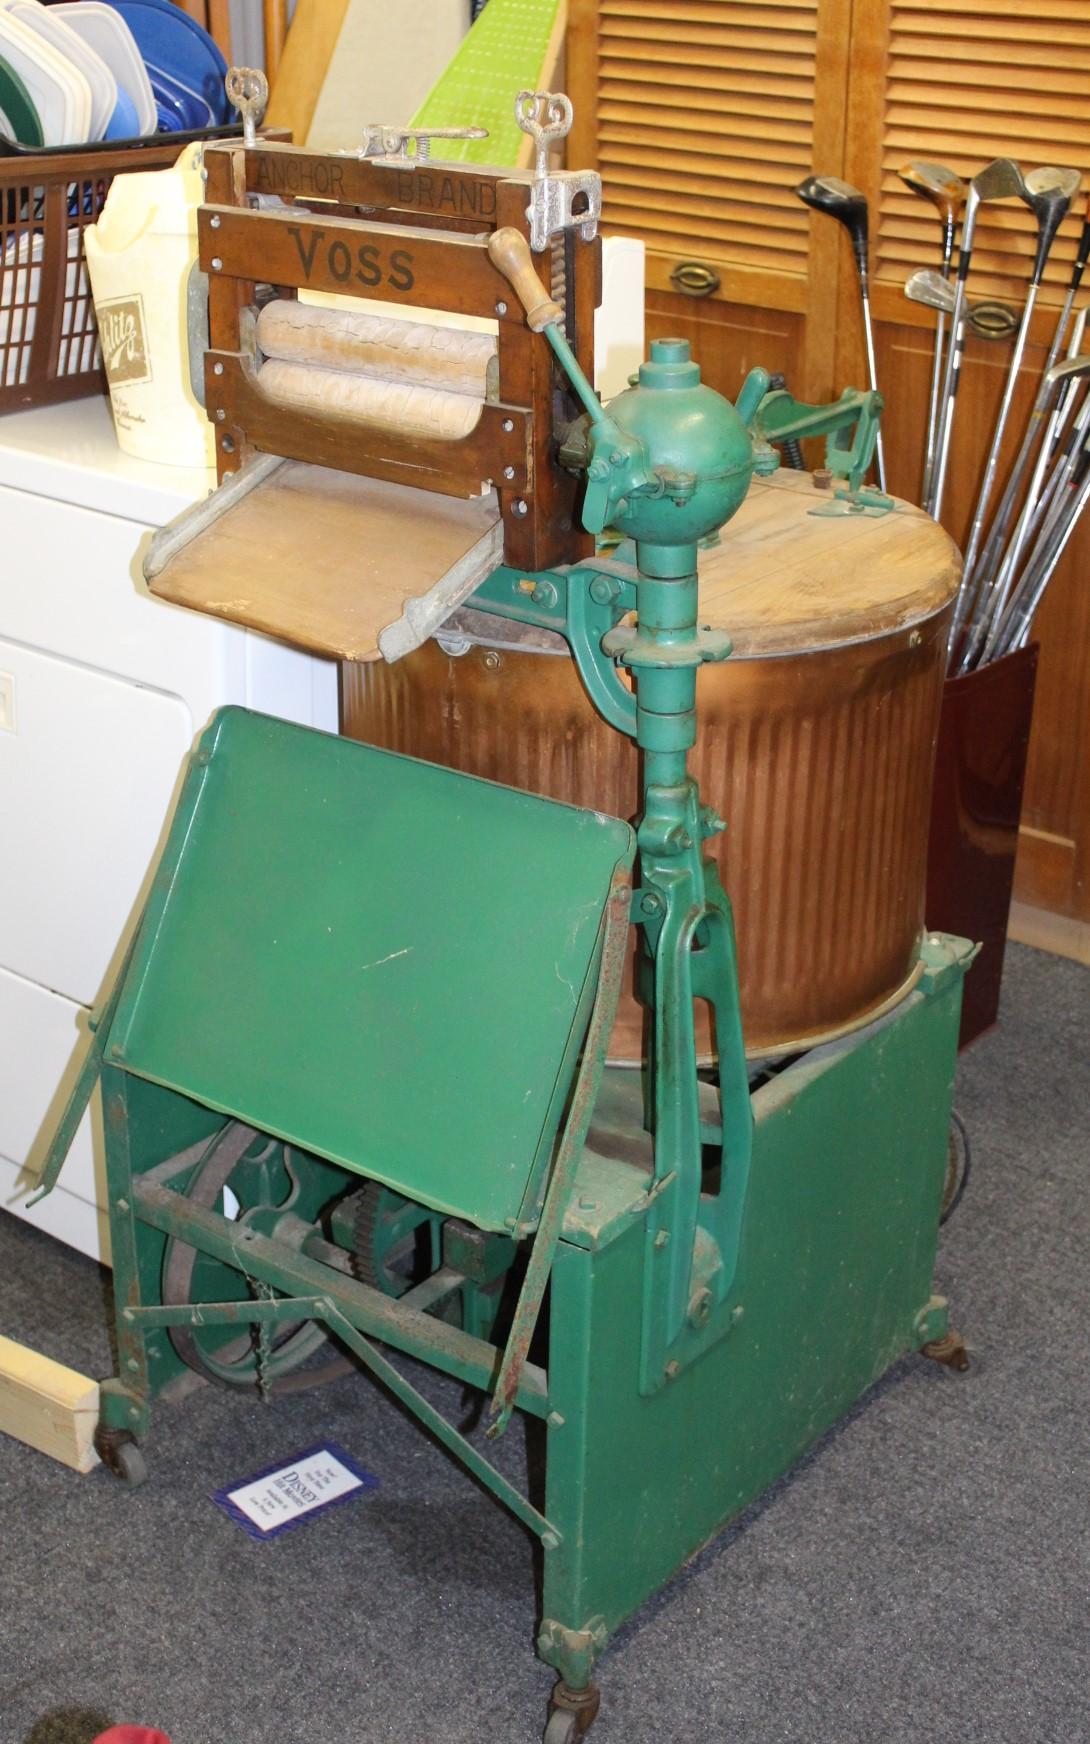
(1000, 180)
(1048, 194)
(940, 185)
(1064, 370)
(839, 200)
(929, 287)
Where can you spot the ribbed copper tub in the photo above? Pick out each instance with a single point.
(820, 760)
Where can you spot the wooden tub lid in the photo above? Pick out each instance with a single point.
(783, 580)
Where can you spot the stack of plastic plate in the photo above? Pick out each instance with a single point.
(105, 69)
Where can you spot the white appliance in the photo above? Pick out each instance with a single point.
(102, 693)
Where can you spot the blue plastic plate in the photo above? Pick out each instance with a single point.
(173, 42)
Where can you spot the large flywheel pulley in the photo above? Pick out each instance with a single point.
(243, 1174)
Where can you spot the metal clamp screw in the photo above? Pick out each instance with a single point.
(248, 91)
(392, 143)
(560, 199)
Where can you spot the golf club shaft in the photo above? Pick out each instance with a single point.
(992, 463)
(1033, 425)
(872, 372)
(936, 368)
(984, 631)
(1007, 501)
(1021, 615)
(952, 374)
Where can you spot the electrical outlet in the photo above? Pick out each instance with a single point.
(7, 702)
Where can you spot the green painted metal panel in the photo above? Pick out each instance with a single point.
(837, 1253)
(380, 960)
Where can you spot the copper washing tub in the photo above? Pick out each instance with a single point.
(816, 742)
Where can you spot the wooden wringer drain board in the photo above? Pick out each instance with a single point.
(382, 1002)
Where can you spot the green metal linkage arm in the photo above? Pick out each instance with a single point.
(295, 1308)
(564, 601)
(570, 1150)
(468, 1359)
(782, 418)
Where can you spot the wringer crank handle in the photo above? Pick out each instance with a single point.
(248, 89)
(616, 466)
(623, 470)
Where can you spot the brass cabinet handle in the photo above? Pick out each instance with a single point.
(693, 279)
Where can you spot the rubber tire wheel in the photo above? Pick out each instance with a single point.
(130, 1465)
(121, 1456)
(563, 1728)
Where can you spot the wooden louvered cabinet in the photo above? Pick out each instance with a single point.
(702, 115)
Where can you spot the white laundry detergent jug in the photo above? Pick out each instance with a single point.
(139, 256)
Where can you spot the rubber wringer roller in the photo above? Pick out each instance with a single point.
(354, 1073)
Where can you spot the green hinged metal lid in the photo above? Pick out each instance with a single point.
(386, 962)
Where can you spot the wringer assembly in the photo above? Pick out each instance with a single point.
(364, 1084)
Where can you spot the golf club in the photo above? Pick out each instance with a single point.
(1048, 194)
(946, 192)
(994, 541)
(848, 206)
(983, 630)
(999, 180)
(988, 320)
(1014, 630)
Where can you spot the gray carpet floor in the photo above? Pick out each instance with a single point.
(921, 1577)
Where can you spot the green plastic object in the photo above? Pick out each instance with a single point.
(18, 109)
(384, 961)
(504, 52)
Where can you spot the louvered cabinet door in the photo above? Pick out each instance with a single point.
(701, 116)
(960, 82)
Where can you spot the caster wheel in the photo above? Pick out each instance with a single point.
(119, 1454)
(562, 1729)
(950, 1351)
(572, 1713)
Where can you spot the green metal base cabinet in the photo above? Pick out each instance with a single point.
(834, 1286)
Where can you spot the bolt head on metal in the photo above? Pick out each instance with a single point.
(501, 307)
(700, 1307)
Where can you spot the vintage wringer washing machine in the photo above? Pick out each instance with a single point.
(353, 1069)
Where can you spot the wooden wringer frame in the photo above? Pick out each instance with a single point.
(377, 463)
